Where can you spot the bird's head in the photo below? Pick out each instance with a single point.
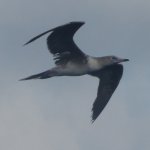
(111, 60)
(116, 60)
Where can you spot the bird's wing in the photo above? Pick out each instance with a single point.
(60, 43)
(109, 80)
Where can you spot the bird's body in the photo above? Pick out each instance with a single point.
(71, 61)
(73, 68)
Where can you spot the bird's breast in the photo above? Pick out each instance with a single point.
(76, 69)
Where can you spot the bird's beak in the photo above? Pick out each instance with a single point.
(122, 60)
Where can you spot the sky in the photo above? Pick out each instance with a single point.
(54, 114)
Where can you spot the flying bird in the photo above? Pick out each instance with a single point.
(71, 61)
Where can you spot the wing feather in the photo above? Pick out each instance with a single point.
(61, 44)
(109, 80)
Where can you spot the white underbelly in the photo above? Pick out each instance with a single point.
(72, 69)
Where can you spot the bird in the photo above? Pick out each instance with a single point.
(71, 61)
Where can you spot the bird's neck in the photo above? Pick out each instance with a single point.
(95, 63)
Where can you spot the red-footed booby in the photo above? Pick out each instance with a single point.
(71, 61)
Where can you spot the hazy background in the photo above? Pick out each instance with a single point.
(54, 114)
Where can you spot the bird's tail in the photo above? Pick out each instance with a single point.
(43, 75)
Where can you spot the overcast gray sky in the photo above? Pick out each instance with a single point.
(54, 114)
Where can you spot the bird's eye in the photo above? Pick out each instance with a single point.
(113, 58)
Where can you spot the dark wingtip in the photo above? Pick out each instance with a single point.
(33, 39)
(27, 78)
(92, 118)
(22, 79)
(38, 36)
(26, 43)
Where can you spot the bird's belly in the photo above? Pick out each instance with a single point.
(74, 70)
